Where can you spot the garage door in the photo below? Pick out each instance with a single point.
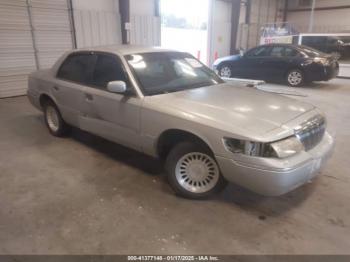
(33, 35)
(52, 29)
(16, 48)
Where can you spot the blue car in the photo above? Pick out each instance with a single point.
(292, 64)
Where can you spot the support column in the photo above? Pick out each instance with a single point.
(124, 9)
(311, 22)
(236, 9)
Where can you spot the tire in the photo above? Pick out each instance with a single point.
(295, 78)
(54, 120)
(225, 71)
(193, 172)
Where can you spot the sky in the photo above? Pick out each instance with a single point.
(192, 10)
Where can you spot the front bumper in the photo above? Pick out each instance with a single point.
(271, 179)
(331, 71)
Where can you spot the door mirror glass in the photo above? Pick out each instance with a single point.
(116, 87)
(241, 52)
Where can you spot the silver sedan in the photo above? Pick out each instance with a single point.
(169, 105)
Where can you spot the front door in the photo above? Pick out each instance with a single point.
(251, 65)
(70, 84)
(113, 116)
(280, 60)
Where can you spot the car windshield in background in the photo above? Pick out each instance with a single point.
(165, 72)
(311, 52)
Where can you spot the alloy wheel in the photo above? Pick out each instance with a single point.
(225, 72)
(197, 172)
(295, 78)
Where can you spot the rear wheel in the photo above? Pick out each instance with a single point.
(225, 71)
(54, 120)
(295, 78)
(193, 172)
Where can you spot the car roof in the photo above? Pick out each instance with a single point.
(281, 44)
(124, 49)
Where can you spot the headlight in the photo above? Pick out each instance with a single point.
(287, 147)
(280, 149)
(323, 61)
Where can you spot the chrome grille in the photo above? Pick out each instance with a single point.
(311, 132)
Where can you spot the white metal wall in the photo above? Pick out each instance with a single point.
(97, 22)
(144, 25)
(16, 48)
(145, 30)
(325, 21)
(262, 12)
(219, 30)
(52, 29)
(33, 33)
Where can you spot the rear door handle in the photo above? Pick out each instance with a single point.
(89, 97)
(56, 88)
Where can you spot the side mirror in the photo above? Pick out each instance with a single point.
(241, 52)
(116, 87)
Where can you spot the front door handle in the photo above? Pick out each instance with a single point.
(89, 97)
(56, 88)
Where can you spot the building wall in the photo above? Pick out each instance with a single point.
(97, 22)
(219, 30)
(325, 21)
(262, 12)
(144, 24)
(143, 7)
(33, 35)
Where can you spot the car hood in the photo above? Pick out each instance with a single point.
(227, 58)
(242, 110)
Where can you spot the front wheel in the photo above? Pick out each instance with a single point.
(193, 172)
(225, 71)
(295, 78)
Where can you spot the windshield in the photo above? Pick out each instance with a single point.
(165, 72)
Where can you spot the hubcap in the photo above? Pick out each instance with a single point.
(197, 172)
(225, 71)
(295, 78)
(52, 118)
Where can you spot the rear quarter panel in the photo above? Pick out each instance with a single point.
(39, 83)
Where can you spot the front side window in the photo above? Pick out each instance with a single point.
(165, 72)
(78, 68)
(258, 52)
(107, 69)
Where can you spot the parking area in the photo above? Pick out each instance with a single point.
(84, 195)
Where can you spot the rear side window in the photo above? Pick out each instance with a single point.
(108, 68)
(277, 51)
(290, 52)
(78, 68)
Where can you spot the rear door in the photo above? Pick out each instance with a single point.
(280, 60)
(110, 115)
(69, 86)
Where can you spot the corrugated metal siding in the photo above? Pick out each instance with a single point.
(145, 30)
(16, 48)
(97, 27)
(52, 30)
(48, 22)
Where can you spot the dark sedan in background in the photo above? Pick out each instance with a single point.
(293, 64)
